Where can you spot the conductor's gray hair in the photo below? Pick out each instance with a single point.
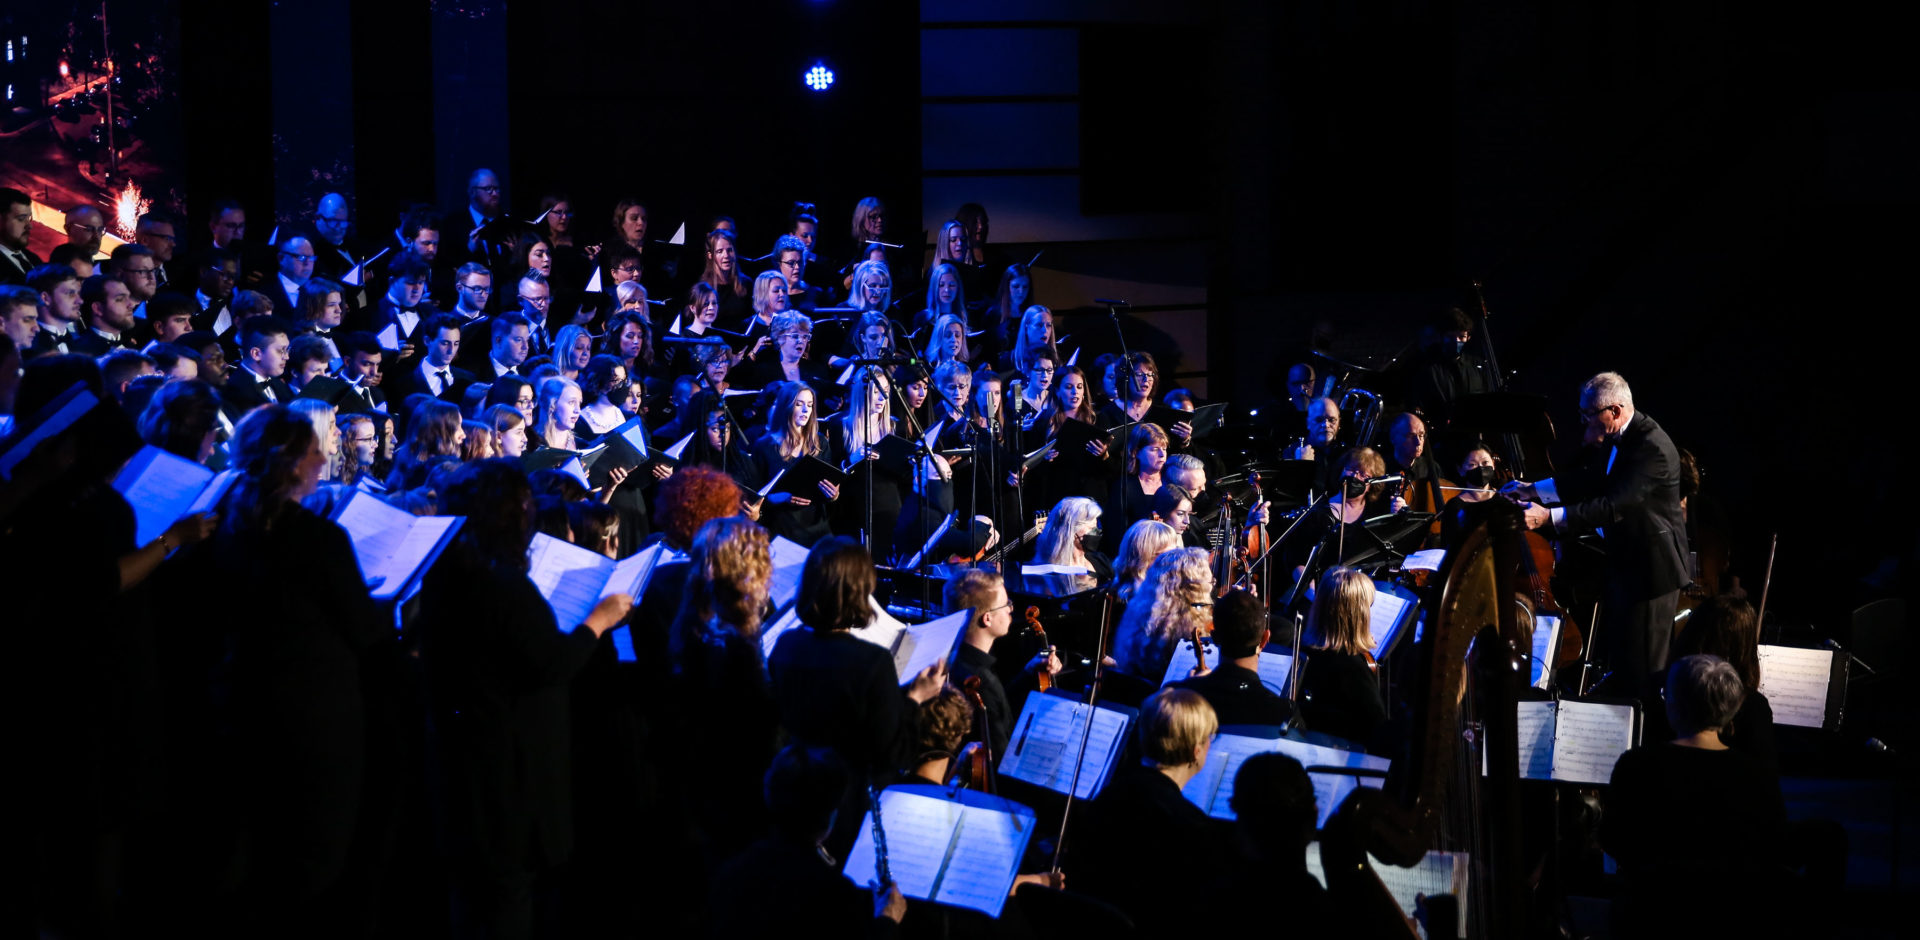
(1703, 692)
(1607, 388)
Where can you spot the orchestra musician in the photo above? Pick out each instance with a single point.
(1408, 458)
(1072, 538)
(1636, 508)
(1177, 604)
(1340, 694)
(984, 593)
(1233, 686)
(1190, 474)
(1145, 541)
(940, 728)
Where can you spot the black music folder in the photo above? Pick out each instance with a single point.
(803, 478)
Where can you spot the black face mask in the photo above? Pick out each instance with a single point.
(1479, 477)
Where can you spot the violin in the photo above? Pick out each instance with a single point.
(1044, 678)
(975, 761)
(1199, 653)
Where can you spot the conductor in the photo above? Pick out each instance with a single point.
(1635, 507)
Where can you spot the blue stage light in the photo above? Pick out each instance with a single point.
(818, 78)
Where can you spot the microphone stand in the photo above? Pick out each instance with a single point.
(920, 452)
(1086, 731)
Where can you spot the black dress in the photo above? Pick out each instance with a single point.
(724, 722)
(802, 525)
(497, 670)
(1341, 696)
(850, 510)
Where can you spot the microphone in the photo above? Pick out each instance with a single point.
(1835, 646)
(896, 359)
(1877, 746)
(1110, 302)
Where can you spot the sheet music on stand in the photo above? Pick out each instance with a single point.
(1546, 646)
(1046, 739)
(1393, 608)
(1212, 788)
(960, 847)
(1575, 741)
(1274, 667)
(1436, 873)
(1799, 685)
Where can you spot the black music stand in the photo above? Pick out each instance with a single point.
(1387, 539)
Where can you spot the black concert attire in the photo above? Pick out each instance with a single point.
(387, 313)
(497, 668)
(781, 882)
(1237, 696)
(293, 689)
(1127, 502)
(1636, 507)
(970, 662)
(1138, 822)
(447, 383)
(246, 390)
(837, 690)
(1440, 377)
(1074, 472)
(850, 510)
(725, 725)
(1340, 696)
(1422, 487)
(802, 525)
(767, 370)
(14, 265)
(87, 341)
(1687, 823)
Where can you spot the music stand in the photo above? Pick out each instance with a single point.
(1389, 539)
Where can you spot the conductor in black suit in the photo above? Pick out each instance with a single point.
(1636, 509)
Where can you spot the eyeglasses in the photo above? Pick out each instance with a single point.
(362, 440)
(1043, 370)
(560, 213)
(1145, 376)
(1589, 415)
(537, 301)
(627, 269)
(297, 256)
(477, 288)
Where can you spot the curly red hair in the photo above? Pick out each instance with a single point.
(691, 498)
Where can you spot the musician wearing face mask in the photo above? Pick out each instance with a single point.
(1476, 476)
(1446, 370)
(1187, 472)
(1636, 509)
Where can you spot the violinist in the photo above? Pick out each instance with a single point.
(1233, 687)
(1340, 694)
(1408, 458)
(1174, 603)
(1636, 507)
(1189, 473)
(985, 594)
(1352, 504)
(1140, 821)
(941, 726)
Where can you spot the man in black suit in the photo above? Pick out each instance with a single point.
(157, 232)
(59, 287)
(328, 235)
(19, 315)
(107, 307)
(295, 259)
(510, 337)
(1233, 688)
(434, 373)
(257, 379)
(16, 227)
(485, 205)
(219, 270)
(403, 307)
(474, 286)
(1636, 509)
(360, 356)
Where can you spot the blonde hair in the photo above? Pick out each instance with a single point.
(858, 299)
(959, 305)
(861, 210)
(970, 589)
(321, 415)
(1145, 541)
(934, 346)
(855, 422)
(550, 392)
(1060, 544)
(1163, 612)
(1174, 725)
(728, 579)
(763, 290)
(1340, 620)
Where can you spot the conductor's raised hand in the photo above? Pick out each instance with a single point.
(608, 614)
(1519, 490)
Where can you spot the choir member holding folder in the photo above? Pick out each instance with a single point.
(793, 436)
(497, 665)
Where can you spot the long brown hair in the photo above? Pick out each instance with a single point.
(267, 449)
(1727, 627)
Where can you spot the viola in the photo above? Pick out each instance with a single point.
(976, 759)
(1044, 678)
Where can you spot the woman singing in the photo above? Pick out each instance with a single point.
(793, 432)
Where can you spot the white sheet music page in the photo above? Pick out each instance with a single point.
(1536, 739)
(1428, 560)
(1588, 739)
(1795, 684)
(961, 849)
(1046, 738)
(1385, 615)
(771, 633)
(1546, 643)
(1274, 667)
(924, 644)
(568, 576)
(984, 859)
(1212, 788)
(885, 631)
(159, 486)
(919, 831)
(1437, 873)
(788, 559)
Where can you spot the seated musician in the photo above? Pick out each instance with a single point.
(1233, 686)
(1692, 818)
(1190, 474)
(836, 690)
(1145, 541)
(1072, 537)
(1340, 694)
(941, 726)
(789, 877)
(1140, 823)
(1727, 627)
(1173, 505)
(985, 594)
(1321, 445)
(1274, 817)
(1476, 476)
(1173, 605)
(1408, 458)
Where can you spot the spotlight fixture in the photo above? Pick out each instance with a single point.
(818, 78)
